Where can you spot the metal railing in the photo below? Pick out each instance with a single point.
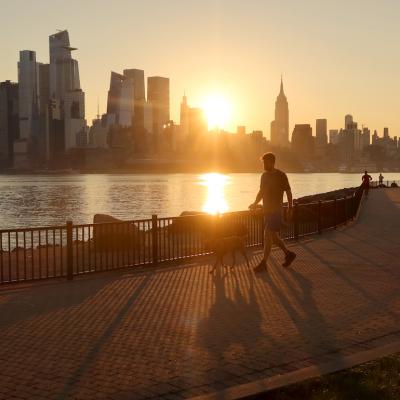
(70, 250)
(385, 184)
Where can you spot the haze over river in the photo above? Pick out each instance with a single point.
(43, 200)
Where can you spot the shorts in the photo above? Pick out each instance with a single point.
(273, 221)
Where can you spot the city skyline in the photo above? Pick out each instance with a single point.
(53, 132)
(337, 74)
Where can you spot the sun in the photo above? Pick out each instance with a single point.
(218, 111)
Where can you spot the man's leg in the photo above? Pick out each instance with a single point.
(267, 251)
(279, 242)
(268, 235)
(289, 255)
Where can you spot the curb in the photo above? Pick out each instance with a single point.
(261, 386)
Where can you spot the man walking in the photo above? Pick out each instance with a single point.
(366, 179)
(273, 185)
(381, 178)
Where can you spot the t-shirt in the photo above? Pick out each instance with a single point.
(273, 184)
(366, 179)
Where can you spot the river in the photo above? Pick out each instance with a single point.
(42, 200)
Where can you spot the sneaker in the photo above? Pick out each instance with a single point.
(289, 259)
(262, 266)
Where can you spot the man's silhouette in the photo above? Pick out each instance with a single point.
(381, 178)
(366, 179)
(273, 184)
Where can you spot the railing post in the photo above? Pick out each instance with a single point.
(70, 259)
(296, 220)
(319, 216)
(154, 236)
(335, 213)
(345, 210)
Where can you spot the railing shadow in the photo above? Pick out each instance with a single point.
(28, 304)
(233, 324)
(310, 319)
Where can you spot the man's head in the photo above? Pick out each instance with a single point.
(366, 172)
(269, 161)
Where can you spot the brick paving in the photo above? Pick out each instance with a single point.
(179, 332)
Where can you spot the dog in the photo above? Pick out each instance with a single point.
(221, 246)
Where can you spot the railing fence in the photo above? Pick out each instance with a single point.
(70, 250)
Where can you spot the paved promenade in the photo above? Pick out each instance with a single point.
(180, 332)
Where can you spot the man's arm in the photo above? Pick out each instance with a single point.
(258, 199)
(289, 197)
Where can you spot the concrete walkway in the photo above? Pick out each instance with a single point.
(181, 332)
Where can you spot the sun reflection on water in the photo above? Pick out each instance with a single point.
(215, 183)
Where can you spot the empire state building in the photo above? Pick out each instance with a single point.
(280, 126)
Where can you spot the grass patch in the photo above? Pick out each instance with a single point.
(375, 380)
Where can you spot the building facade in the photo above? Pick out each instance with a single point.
(303, 141)
(136, 76)
(28, 94)
(9, 121)
(321, 136)
(280, 126)
(158, 97)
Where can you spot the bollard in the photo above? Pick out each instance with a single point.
(70, 259)
(154, 236)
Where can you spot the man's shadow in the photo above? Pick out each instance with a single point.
(233, 325)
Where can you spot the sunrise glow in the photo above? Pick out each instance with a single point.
(218, 111)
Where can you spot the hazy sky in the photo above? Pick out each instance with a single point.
(336, 57)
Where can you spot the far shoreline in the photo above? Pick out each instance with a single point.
(164, 171)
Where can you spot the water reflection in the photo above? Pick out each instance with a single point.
(215, 201)
(39, 200)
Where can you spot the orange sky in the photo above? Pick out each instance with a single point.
(336, 58)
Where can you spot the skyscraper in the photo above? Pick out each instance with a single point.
(114, 94)
(139, 96)
(375, 137)
(148, 117)
(302, 140)
(366, 138)
(65, 90)
(74, 115)
(350, 139)
(184, 117)
(348, 120)
(321, 136)
(9, 121)
(280, 126)
(333, 136)
(64, 70)
(193, 122)
(120, 99)
(137, 77)
(386, 133)
(28, 93)
(158, 96)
